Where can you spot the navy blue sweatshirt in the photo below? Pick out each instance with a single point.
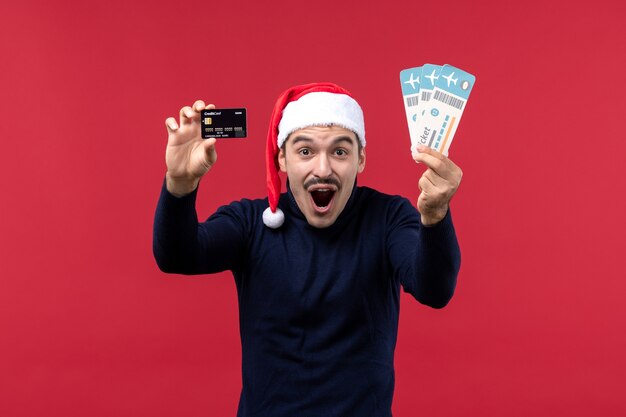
(318, 308)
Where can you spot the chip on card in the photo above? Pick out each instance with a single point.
(223, 123)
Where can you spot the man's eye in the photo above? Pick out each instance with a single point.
(341, 152)
(304, 152)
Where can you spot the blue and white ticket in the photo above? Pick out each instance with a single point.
(430, 75)
(410, 83)
(443, 93)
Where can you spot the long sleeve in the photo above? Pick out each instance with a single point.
(425, 259)
(184, 246)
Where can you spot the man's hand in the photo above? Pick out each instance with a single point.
(437, 185)
(188, 156)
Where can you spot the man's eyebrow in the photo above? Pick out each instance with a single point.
(301, 139)
(335, 141)
(343, 139)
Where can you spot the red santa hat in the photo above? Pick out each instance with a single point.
(317, 104)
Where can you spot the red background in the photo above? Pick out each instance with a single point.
(90, 326)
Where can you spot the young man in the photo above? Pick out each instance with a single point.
(319, 271)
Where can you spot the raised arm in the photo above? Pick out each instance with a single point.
(423, 247)
(426, 260)
(180, 243)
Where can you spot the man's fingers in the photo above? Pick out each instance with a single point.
(209, 151)
(209, 145)
(191, 114)
(199, 105)
(433, 159)
(438, 162)
(425, 185)
(188, 115)
(171, 125)
(434, 178)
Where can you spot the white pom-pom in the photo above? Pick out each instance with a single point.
(273, 220)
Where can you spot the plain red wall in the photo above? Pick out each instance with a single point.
(89, 326)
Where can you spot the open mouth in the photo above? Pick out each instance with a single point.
(322, 197)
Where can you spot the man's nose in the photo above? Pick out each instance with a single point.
(322, 167)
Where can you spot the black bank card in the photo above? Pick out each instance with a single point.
(223, 123)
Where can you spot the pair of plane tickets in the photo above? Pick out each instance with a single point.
(435, 97)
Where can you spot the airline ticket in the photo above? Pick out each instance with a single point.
(434, 100)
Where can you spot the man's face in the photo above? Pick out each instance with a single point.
(321, 163)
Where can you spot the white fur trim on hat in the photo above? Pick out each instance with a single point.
(322, 109)
(273, 220)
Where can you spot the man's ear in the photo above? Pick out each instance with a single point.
(361, 160)
(281, 159)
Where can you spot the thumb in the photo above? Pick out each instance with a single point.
(209, 150)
